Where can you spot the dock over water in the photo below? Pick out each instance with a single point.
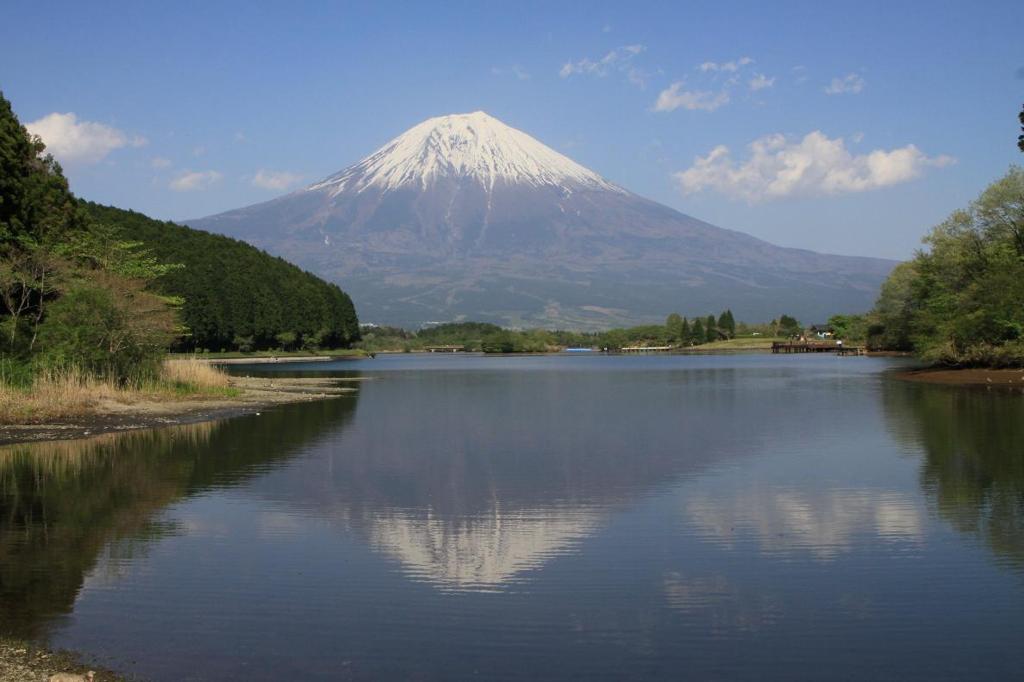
(647, 349)
(815, 347)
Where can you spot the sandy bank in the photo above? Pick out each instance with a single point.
(110, 415)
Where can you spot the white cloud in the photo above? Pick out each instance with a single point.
(851, 84)
(815, 165)
(674, 97)
(722, 77)
(276, 180)
(190, 181)
(198, 151)
(618, 60)
(760, 82)
(637, 77)
(728, 67)
(515, 70)
(74, 141)
(160, 162)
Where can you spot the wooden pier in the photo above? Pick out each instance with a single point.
(647, 349)
(812, 347)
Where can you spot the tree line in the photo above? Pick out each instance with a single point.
(677, 331)
(961, 301)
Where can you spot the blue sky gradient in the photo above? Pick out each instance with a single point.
(206, 107)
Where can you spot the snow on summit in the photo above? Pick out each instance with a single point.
(474, 146)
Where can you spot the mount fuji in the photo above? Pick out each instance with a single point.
(464, 217)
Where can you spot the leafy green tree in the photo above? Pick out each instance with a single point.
(788, 326)
(287, 340)
(498, 342)
(891, 322)
(849, 327)
(108, 326)
(243, 343)
(674, 328)
(959, 301)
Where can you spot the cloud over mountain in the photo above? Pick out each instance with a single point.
(191, 181)
(779, 166)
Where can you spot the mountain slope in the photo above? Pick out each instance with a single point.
(465, 217)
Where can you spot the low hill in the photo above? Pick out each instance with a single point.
(236, 296)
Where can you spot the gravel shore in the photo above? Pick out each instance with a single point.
(22, 661)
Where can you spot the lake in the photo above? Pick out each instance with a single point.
(550, 517)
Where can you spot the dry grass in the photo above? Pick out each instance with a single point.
(194, 372)
(53, 394)
(62, 394)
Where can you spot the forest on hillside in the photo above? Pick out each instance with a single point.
(93, 290)
(234, 296)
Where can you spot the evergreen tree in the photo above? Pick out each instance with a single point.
(710, 329)
(72, 293)
(1020, 138)
(234, 295)
(697, 333)
(726, 324)
(685, 333)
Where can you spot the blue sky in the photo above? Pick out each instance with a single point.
(870, 121)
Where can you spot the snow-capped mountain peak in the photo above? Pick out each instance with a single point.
(473, 146)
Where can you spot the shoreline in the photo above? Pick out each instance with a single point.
(22, 659)
(968, 376)
(276, 359)
(258, 393)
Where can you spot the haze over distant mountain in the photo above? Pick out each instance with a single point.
(464, 217)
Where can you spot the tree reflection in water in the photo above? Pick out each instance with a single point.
(63, 504)
(973, 471)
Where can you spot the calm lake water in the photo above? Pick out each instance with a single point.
(540, 518)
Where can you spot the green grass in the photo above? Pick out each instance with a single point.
(746, 343)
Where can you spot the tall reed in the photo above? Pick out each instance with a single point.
(67, 392)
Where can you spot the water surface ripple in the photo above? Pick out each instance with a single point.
(747, 517)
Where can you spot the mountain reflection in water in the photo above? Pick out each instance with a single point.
(538, 518)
